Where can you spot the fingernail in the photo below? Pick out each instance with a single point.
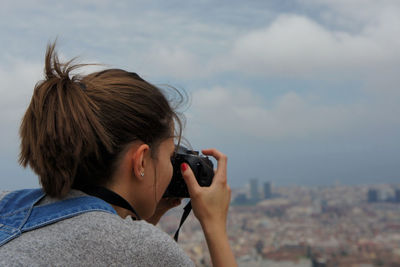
(184, 167)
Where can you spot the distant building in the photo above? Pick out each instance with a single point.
(324, 206)
(267, 190)
(241, 199)
(397, 195)
(372, 195)
(254, 195)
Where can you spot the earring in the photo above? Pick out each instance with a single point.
(142, 174)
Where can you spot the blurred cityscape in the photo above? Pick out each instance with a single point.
(304, 226)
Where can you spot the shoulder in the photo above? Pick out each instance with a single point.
(131, 241)
(124, 239)
(96, 238)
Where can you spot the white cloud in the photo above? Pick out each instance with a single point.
(296, 45)
(244, 113)
(357, 11)
(172, 61)
(16, 87)
(184, 46)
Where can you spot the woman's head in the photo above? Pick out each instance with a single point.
(76, 127)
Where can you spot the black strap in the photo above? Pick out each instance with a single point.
(111, 198)
(185, 214)
(115, 199)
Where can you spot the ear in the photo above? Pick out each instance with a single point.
(139, 160)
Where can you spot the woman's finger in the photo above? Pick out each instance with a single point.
(190, 179)
(222, 160)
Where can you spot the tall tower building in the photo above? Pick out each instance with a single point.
(397, 195)
(254, 189)
(372, 195)
(267, 190)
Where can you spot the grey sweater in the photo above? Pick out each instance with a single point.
(93, 239)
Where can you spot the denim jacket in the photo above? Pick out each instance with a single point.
(20, 213)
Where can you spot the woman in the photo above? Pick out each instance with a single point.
(109, 134)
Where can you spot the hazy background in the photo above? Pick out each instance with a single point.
(295, 92)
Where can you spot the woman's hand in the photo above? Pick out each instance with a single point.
(210, 204)
(163, 206)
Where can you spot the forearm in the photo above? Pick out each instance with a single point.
(218, 245)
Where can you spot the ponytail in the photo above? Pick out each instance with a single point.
(76, 127)
(60, 127)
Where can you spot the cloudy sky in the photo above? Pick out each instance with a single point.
(295, 92)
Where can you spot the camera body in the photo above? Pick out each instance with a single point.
(201, 166)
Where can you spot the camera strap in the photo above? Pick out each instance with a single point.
(115, 199)
(186, 211)
(111, 198)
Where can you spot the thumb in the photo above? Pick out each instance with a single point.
(189, 178)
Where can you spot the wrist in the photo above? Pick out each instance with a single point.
(213, 227)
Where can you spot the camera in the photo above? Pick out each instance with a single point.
(201, 166)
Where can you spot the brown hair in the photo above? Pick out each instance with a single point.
(75, 127)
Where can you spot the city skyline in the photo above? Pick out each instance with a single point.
(266, 189)
(304, 226)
